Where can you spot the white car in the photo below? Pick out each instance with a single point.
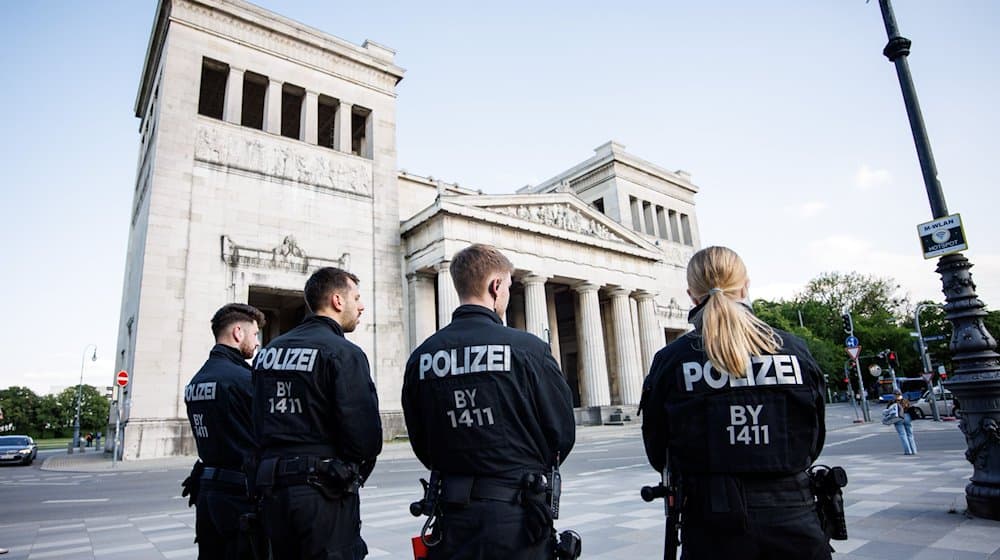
(946, 405)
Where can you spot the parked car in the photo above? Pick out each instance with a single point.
(17, 449)
(946, 404)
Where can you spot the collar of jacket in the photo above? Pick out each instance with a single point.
(472, 311)
(229, 354)
(337, 329)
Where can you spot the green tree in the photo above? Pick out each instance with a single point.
(20, 405)
(93, 410)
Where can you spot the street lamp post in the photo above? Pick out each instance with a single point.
(976, 379)
(79, 393)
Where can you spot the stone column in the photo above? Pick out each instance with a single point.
(550, 307)
(423, 315)
(650, 333)
(629, 374)
(594, 379)
(310, 118)
(233, 108)
(272, 107)
(342, 135)
(447, 296)
(536, 318)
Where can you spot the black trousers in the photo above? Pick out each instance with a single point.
(781, 522)
(487, 530)
(304, 525)
(217, 523)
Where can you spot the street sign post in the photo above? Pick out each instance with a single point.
(851, 341)
(853, 352)
(122, 380)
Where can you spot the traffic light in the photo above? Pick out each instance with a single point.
(848, 323)
(892, 358)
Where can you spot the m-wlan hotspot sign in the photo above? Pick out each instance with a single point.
(942, 236)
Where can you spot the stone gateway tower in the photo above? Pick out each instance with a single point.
(267, 151)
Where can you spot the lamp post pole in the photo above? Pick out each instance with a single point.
(976, 379)
(924, 359)
(79, 393)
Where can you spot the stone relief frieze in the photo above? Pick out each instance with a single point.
(562, 216)
(286, 256)
(270, 158)
(677, 255)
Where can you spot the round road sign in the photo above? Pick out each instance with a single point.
(122, 378)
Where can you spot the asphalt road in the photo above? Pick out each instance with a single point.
(30, 494)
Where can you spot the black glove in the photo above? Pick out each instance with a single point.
(192, 484)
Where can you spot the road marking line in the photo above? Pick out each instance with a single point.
(64, 542)
(126, 548)
(859, 438)
(63, 553)
(58, 527)
(109, 527)
(80, 501)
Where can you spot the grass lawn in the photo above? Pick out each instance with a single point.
(53, 443)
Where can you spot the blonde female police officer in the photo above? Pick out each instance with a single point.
(737, 406)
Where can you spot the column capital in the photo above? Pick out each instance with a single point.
(620, 291)
(442, 266)
(532, 278)
(585, 286)
(643, 295)
(419, 275)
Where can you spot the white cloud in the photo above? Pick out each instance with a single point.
(807, 209)
(867, 178)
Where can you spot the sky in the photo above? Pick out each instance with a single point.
(785, 113)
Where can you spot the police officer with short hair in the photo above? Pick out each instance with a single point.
(488, 410)
(218, 407)
(737, 409)
(316, 418)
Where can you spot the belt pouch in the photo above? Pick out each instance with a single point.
(457, 490)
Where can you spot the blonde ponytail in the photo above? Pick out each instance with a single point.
(730, 332)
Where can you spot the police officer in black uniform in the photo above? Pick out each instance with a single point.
(218, 407)
(741, 441)
(316, 418)
(487, 408)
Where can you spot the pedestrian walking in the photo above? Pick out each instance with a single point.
(218, 408)
(735, 409)
(488, 411)
(904, 426)
(316, 417)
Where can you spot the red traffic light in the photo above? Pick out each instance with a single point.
(944, 376)
(892, 356)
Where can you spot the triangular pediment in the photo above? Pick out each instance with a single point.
(560, 214)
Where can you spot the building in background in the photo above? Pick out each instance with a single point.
(268, 150)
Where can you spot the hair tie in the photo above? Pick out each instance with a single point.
(714, 291)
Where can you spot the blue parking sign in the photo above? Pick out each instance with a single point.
(851, 342)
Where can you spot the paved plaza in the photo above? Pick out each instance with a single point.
(898, 507)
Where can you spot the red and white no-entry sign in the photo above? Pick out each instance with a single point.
(122, 378)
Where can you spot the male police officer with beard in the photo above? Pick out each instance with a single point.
(218, 407)
(487, 409)
(316, 418)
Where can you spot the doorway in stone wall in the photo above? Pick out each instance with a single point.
(283, 310)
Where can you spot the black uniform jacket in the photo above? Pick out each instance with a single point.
(218, 407)
(483, 399)
(769, 422)
(314, 395)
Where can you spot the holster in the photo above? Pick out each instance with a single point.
(192, 484)
(332, 477)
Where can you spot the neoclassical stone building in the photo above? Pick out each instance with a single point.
(268, 150)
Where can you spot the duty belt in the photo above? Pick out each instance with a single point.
(290, 471)
(227, 476)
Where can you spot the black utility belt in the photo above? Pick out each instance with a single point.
(290, 471)
(227, 476)
(461, 489)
